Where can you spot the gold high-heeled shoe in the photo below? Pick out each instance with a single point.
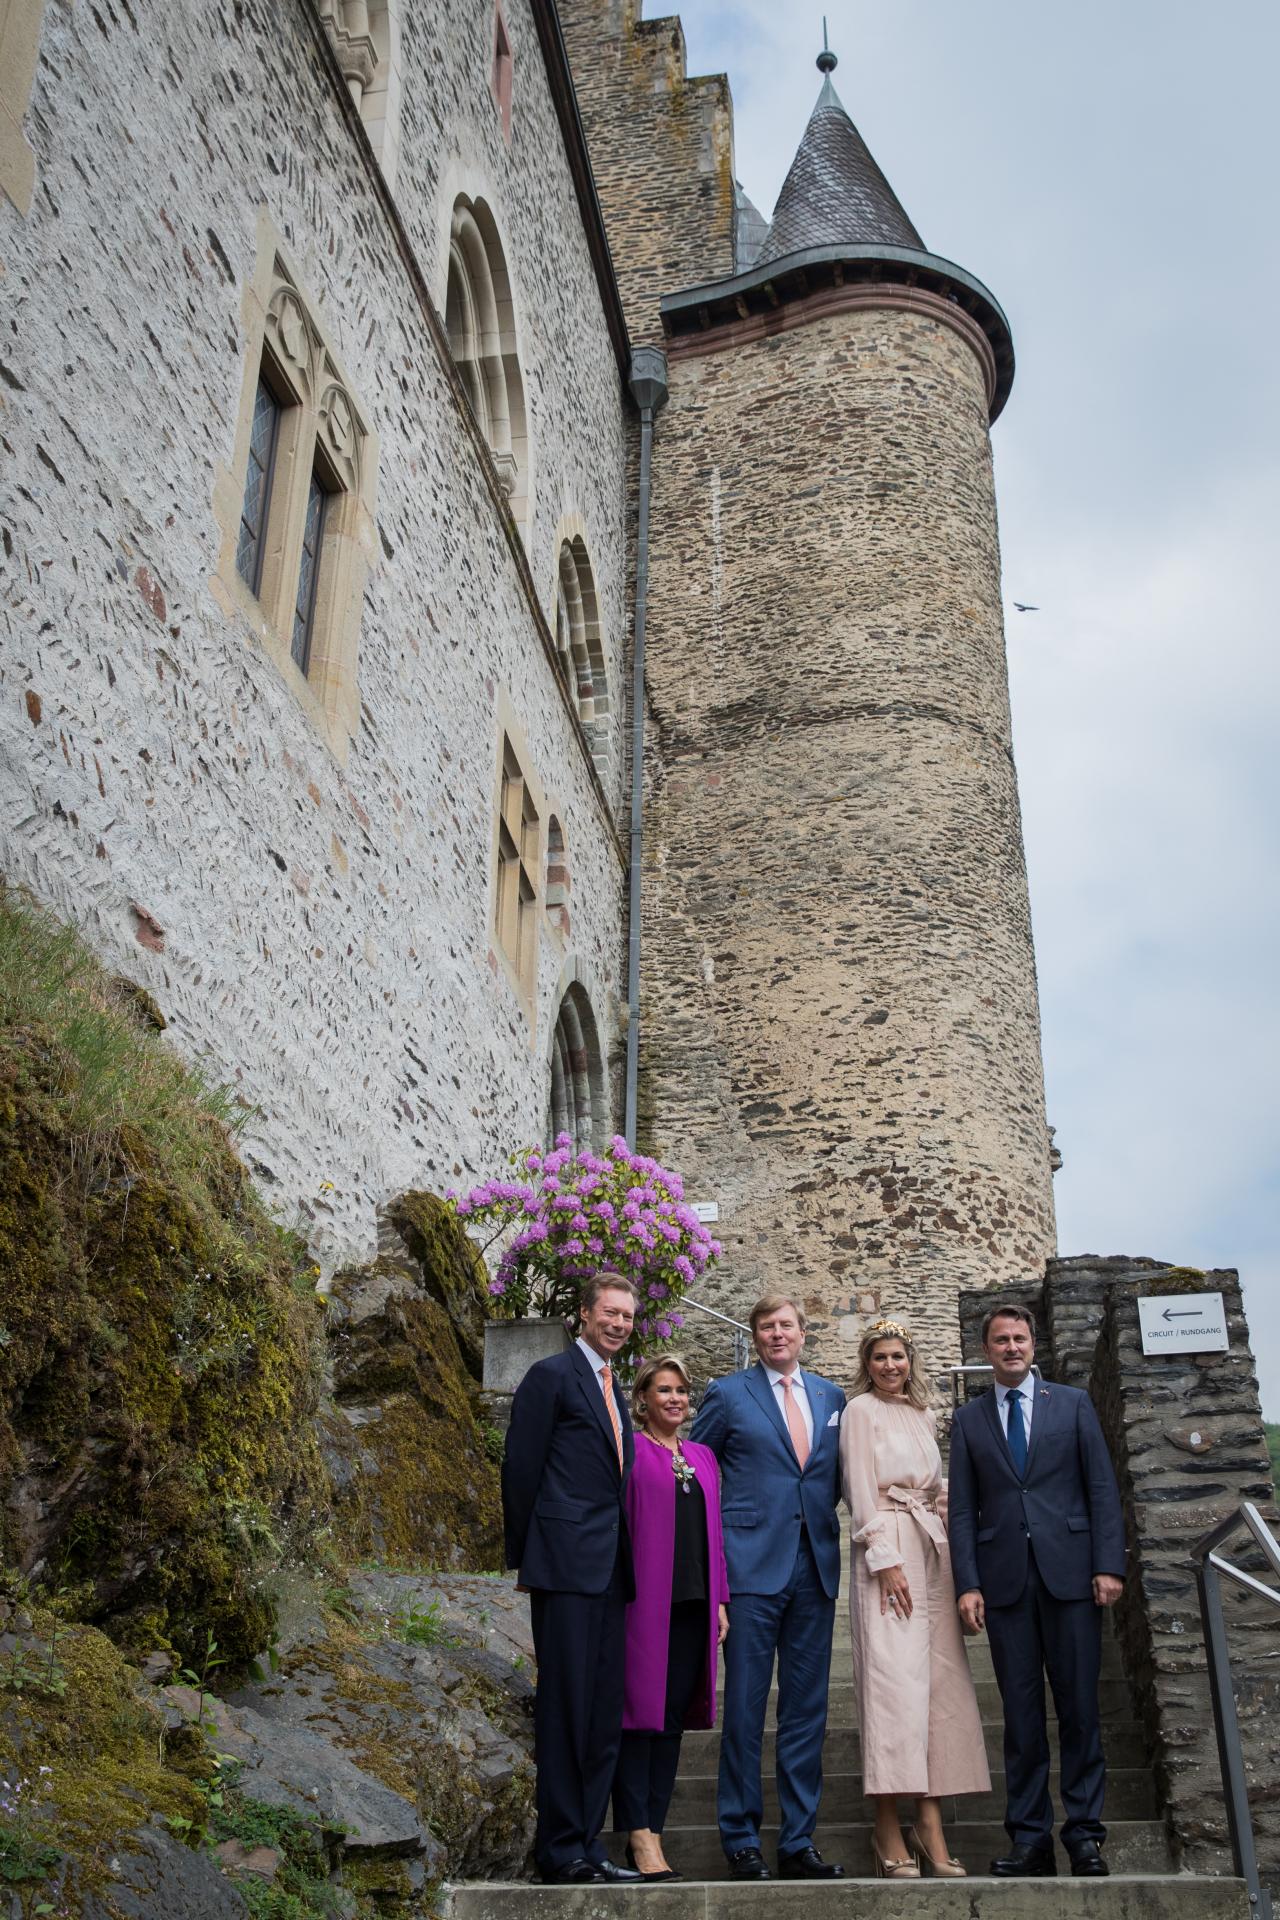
(892, 1869)
(948, 1869)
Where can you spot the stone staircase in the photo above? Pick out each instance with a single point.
(1143, 1884)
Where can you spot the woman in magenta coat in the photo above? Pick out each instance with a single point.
(680, 1613)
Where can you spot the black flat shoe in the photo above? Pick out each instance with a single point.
(576, 1873)
(1087, 1862)
(1024, 1862)
(748, 1864)
(808, 1864)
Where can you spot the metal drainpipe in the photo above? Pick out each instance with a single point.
(648, 383)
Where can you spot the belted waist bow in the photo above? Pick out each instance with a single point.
(923, 1512)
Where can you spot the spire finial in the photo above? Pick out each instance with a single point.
(827, 61)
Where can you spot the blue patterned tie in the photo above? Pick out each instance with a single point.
(1017, 1429)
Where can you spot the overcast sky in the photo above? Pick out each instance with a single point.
(1109, 169)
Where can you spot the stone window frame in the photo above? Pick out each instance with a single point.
(324, 432)
(558, 882)
(480, 322)
(502, 69)
(516, 911)
(20, 23)
(579, 637)
(366, 37)
(578, 1100)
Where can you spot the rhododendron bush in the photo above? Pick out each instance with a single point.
(563, 1215)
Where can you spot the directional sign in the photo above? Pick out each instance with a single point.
(1183, 1323)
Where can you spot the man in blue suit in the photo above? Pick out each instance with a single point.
(569, 1452)
(775, 1432)
(1037, 1550)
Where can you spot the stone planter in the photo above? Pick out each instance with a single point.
(510, 1349)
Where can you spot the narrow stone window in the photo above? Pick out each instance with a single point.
(20, 23)
(517, 892)
(557, 890)
(296, 541)
(257, 485)
(502, 72)
(581, 648)
(365, 35)
(577, 1102)
(480, 321)
(304, 606)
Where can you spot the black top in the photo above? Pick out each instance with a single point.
(689, 1561)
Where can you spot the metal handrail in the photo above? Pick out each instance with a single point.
(741, 1331)
(1211, 1571)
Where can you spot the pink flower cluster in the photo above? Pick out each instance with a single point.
(567, 1214)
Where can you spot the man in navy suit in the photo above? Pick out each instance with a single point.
(1037, 1550)
(569, 1452)
(775, 1432)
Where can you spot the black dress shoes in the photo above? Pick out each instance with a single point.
(1086, 1860)
(575, 1873)
(1025, 1862)
(748, 1864)
(605, 1870)
(808, 1864)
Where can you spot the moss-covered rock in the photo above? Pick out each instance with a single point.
(450, 1266)
(89, 1751)
(159, 1336)
(413, 1481)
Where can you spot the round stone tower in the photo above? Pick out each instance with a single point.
(840, 1040)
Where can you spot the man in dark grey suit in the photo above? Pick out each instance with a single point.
(1037, 1550)
(569, 1453)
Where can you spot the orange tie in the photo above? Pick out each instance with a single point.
(795, 1421)
(606, 1383)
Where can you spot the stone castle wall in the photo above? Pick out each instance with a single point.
(840, 1039)
(661, 145)
(320, 934)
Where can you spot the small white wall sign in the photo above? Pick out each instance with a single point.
(707, 1210)
(1183, 1323)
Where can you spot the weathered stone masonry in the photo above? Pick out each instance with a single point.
(842, 1040)
(319, 935)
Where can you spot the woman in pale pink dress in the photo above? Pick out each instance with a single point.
(917, 1710)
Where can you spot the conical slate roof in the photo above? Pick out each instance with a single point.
(835, 193)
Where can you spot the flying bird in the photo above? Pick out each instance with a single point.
(1020, 606)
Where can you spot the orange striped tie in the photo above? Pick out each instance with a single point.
(606, 1382)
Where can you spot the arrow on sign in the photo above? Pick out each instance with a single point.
(1167, 1315)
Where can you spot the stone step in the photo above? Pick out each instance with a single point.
(1112, 1682)
(1130, 1796)
(978, 1653)
(842, 1750)
(1133, 1846)
(1114, 1699)
(1140, 1897)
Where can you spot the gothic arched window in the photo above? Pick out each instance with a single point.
(365, 35)
(580, 647)
(578, 1103)
(480, 320)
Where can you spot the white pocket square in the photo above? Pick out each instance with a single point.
(834, 1421)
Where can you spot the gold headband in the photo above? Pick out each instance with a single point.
(888, 1330)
